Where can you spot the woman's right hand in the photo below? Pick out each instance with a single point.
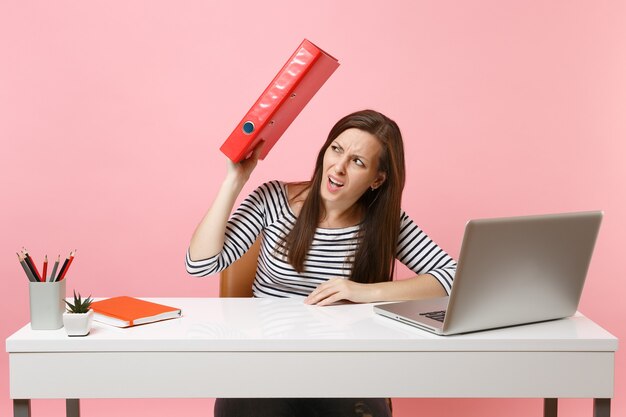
(242, 170)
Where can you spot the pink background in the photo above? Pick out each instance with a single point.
(112, 112)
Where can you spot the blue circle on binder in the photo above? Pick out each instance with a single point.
(248, 127)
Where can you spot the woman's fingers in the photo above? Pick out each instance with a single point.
(243, 169)
(334, 290)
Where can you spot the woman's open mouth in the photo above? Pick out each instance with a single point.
(334, 183)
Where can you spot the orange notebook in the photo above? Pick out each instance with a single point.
(293, 87)
(129, 311)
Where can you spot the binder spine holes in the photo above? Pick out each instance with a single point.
(248, 127)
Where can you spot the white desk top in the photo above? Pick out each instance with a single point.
(242, 324)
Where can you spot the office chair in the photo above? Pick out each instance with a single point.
(237, 279)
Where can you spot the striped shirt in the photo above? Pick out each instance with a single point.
(266, 211)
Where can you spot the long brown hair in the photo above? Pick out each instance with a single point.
(374, 259)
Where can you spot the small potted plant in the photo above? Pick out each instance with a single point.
(78, 316)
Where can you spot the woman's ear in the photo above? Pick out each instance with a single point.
(379, 180)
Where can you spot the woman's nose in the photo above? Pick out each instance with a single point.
(340, 166)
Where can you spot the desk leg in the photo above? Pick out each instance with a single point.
(72, 407)
(601, 407)
(21, 408)
(550, 407)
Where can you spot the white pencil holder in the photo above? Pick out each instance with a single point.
(47, 304)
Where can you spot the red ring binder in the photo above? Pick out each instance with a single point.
(292, 88)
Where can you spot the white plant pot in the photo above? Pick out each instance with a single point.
(77, 324)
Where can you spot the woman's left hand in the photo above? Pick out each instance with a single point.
(337, 289)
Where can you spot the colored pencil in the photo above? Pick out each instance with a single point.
(29, 274)
(31, 265)
(45, 269)
(54, 269)
(66, 264)
(62, 270)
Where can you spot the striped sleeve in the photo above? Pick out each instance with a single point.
(242, 229)
(420, 254)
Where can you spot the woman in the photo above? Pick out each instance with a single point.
(333, 238)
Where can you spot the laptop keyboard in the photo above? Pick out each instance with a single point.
(435, 315)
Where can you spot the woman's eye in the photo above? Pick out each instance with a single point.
(359, 162)
(335, 148)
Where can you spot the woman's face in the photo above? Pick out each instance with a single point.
(351, 167)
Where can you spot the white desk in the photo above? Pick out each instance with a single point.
(283, 348)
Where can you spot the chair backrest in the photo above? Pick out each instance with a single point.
(237, 279)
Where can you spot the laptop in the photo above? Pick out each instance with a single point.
(511, 271)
